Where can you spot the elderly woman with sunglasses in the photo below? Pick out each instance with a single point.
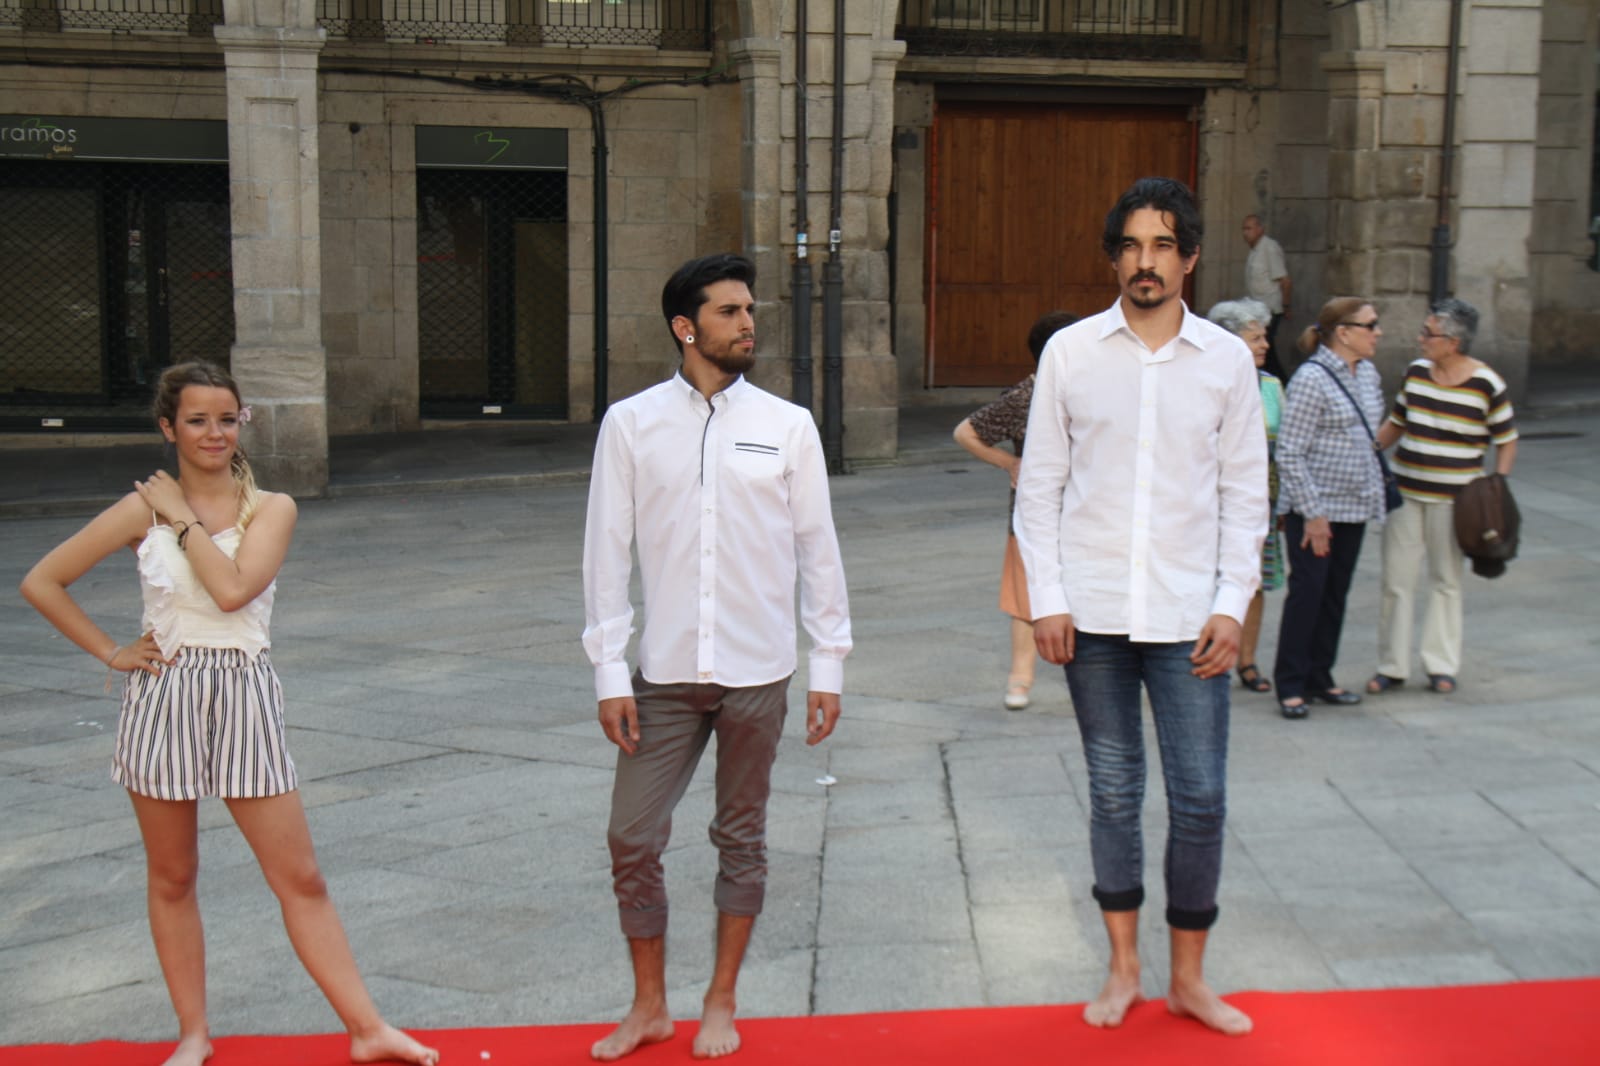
(1330, 487)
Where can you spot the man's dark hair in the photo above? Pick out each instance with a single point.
(1170, 197)
(1045, 328)
(685, 291)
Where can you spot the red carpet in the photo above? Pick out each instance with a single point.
(1548, 1023)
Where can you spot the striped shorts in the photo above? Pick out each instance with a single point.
(211, 724)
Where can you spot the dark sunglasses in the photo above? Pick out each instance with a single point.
(1429, 335)
(1362, 325)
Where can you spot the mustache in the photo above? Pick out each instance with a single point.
(1149, 275)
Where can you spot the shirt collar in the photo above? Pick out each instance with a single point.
(1189, 330)
(738, 386)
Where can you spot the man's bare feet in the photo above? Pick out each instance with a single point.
(1197, 1001)
(191, 1051)
(1120, 994)
(717, 1036)
(640, 1027)
(388, 1044)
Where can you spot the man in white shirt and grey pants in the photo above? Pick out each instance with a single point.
(1141, 509)
(723, 489)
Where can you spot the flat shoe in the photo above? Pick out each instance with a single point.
(1442, 683)
(1383, 683)
(1338, 699)
(1016, 695)
(1294, 711)
(1250, 677)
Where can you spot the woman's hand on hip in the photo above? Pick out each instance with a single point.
(143, 654)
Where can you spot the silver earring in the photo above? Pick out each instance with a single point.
(688, 338)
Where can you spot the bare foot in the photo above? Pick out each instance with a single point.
(1197, 1001)
(388, 1044)
(191, 1051)
(1120, 994)
(640, 1027)
(717, 1036)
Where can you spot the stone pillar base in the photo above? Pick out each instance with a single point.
(287, 438)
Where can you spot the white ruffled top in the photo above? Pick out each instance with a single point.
(179, 611)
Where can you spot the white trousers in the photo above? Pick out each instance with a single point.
(1421, 538)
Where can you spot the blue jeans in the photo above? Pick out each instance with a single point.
(1191, 718)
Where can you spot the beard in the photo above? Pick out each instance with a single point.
(731, 360)
(1147, 298)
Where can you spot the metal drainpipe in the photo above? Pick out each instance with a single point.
(833, 273)
(1439, 284)
(602, 266)
(800, 283)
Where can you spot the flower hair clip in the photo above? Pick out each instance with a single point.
(244, 415)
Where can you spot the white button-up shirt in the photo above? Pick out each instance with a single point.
(728, 503)
(1142, 499)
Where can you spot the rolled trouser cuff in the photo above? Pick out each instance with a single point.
(742, 901)
(643, 923)
(1195, 921)
(1127, 900)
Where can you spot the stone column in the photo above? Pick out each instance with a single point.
(271, 48)
(767, 78)
(768, 187)
(1355, 116)
(1499, 122)
(1386, 88)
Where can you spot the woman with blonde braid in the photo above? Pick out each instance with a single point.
(202, 710)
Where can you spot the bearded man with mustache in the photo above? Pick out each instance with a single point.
(1141, 510)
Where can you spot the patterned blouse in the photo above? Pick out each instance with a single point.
(1448, 430)
(1005, 419)
(1327, 466)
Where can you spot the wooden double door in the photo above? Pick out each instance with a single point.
(1018, 195)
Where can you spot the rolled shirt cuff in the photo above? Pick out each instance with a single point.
(612, 680)
(825, 674)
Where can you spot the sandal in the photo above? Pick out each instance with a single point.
(1442, 683)
(1250, 677)
(1383, 683)
(1017, 694)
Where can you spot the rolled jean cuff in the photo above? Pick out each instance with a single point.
(1195, 921)
(1128, 900)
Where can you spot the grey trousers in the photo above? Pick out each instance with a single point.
(675, 723)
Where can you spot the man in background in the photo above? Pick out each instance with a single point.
(1266, 278)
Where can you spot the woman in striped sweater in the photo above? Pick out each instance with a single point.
(1450, 408)
(202, 710)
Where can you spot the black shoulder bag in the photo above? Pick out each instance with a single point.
(1391, 485)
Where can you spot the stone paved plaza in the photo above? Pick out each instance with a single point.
(442, 718)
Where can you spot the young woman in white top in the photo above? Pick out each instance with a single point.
(202, 711)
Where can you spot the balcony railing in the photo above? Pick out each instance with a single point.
(571, 23)
(128, 16)
(1185, 30)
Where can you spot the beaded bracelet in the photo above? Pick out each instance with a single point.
(111, 671)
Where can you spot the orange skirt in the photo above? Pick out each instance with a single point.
(1014, 583)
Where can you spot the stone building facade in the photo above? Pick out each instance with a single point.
(404, 197)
